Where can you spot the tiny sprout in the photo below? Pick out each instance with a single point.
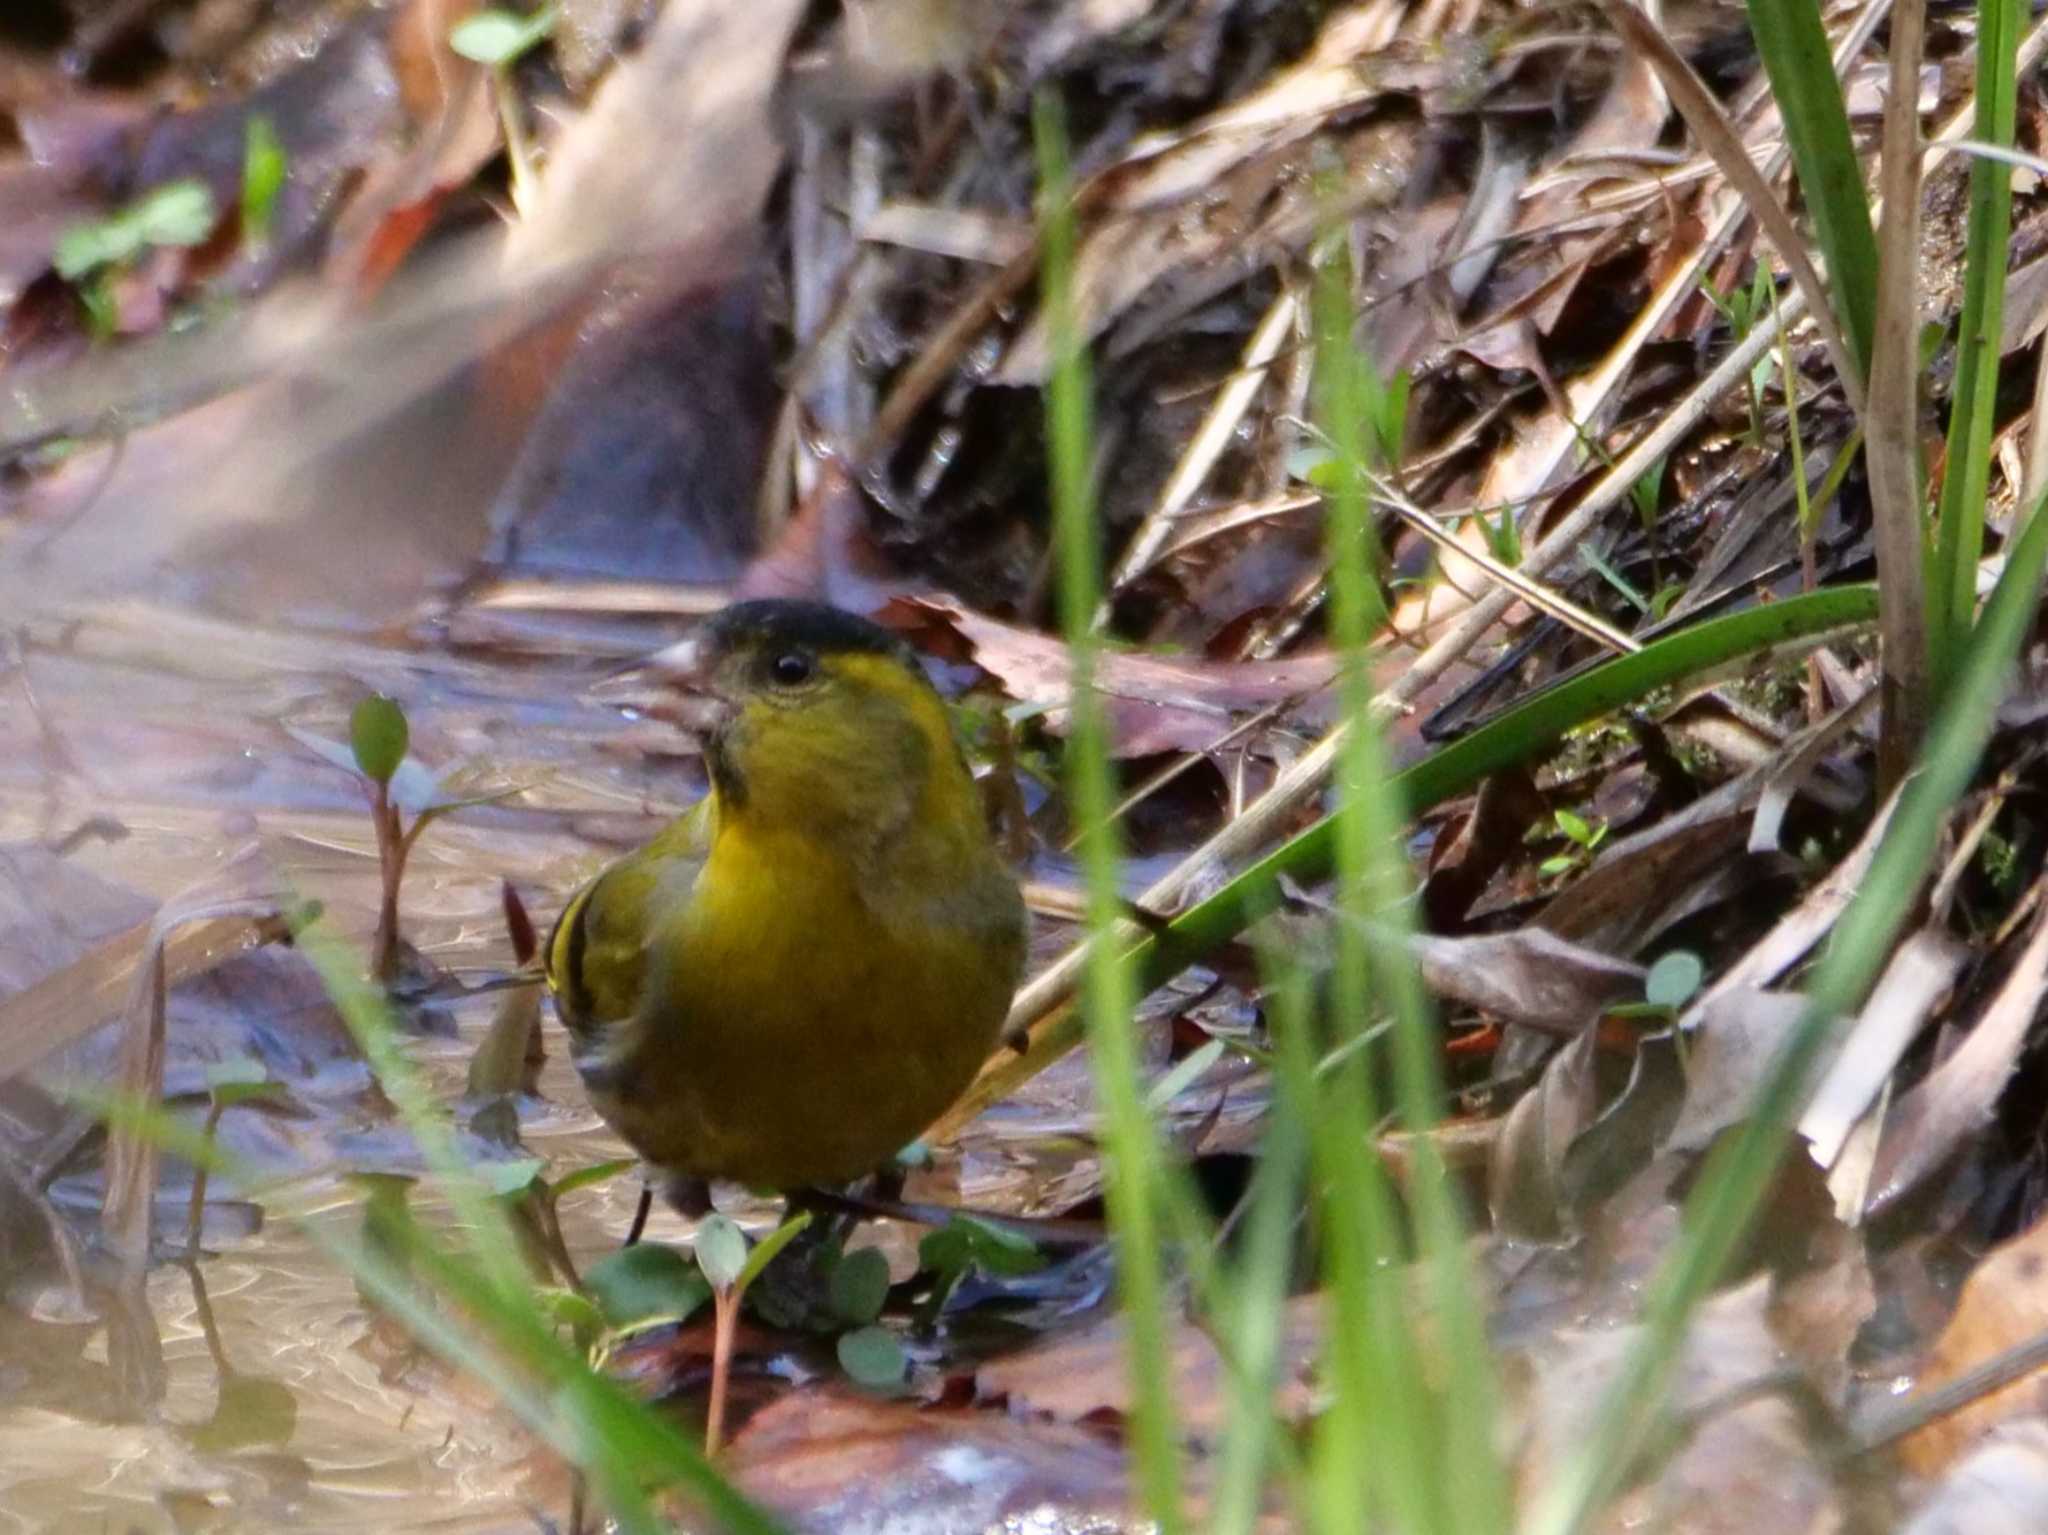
(398, 786)
(498, 39)
(178, 213)
(724, 1261)
(501, 38)
(263, 173)
(721, 1251)
(860, 1286)
(1673, 979)
(378, 735)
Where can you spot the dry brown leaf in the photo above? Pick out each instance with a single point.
(1084, 1372)
(55, 1006)
(1930, 1123)
(1523, 1187)
(2004, 1303)
(1155, 703)
(1644, 883)
(1743, 1470)
(1528, 976)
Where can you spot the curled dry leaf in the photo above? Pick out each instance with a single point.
(1523, 1185)
(2004, 1303)
(1917, 977)
(1954, 1101)
(1527, 976)
(1736, 1036)
(1155, 703)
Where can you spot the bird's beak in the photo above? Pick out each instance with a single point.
(681, 665)
(672, 684)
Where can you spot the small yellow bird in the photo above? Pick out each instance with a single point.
(797, 976)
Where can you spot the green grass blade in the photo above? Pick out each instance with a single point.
(1738, 1175)
(1794, 46)
(368, 1015)
(1959, 533)
(1133, 1152)
(1256, 1318)
(1376, 1361)
(1690, 655)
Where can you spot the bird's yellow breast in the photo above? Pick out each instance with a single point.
(794, 1024)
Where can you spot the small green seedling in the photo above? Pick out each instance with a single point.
(869, 1353)
(264, 167)
(1503, 536)
(1742, 308)
(398, 785)
(177, 214)
(239, 1079)
(644, 1286)
(498, 39)
(1585, 838)
(725, 1262)
(1673, 981)
(1647, 493)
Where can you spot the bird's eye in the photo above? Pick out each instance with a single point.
(791, 668)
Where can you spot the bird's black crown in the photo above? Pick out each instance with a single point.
(772, 622)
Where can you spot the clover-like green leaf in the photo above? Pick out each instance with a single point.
(645, 1282)
(1674, 978)
(872, 1357)
(860, 1286)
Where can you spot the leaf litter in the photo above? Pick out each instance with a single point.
(772, 325)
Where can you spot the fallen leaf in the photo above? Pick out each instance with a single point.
(1527, 976)
(2004, 1303)
(1523, 1184)
(1155, 703)
(1742, 1469)
(1940, 1114)
(1082, 1373)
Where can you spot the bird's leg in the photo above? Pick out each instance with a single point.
(640, 1215)
(688, 1197)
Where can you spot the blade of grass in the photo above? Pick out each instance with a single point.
(1108, 1000)
(1256, 1321)
(1959, 528)
(363, 1008)
(1778, 630)
(1376, 1371)
(1794, 44)
(1737, 1176)
(1267, 817)
(1374, 879)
